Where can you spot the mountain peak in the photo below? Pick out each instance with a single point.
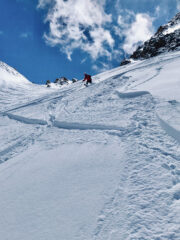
(167, 38)
(9, 77)
(171, 27)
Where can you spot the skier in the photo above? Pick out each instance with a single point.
(87, 78)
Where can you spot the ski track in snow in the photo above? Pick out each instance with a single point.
(143, 203)
(19, 141)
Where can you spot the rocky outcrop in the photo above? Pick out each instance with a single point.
(167, 38)
(61, 81)
(124, 62)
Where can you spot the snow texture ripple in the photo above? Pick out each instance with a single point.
(93, 163)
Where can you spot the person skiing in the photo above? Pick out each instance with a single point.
(87, 78)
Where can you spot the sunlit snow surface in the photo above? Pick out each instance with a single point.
(92, 163)
(171, 29)
(10, 78)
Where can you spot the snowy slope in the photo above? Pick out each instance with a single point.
(9, 77)
(95, 163)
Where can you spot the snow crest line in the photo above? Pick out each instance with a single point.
(26, 120)
(84, 126)
(64, 125)
(169, 129)
(132, 94)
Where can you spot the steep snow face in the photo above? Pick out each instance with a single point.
(9, 77)
(172, 29)
(172, 26)
(161, 81)
(94, 163)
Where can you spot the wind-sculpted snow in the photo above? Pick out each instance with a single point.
(131, 94)
(26, 120)
(84, 126)
(169, 129)
(93, 163)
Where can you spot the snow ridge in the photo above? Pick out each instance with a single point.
(9, 77)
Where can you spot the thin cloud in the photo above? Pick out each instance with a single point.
(101, 67)
(25, 35)
(178, 5)
(1, 32)
(85, 25)
(78, 24)
(133, 29)
(43, 3)
(83, 60)
(157, 11)
(139, 31)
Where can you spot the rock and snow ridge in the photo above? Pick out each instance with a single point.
(167, 38)
(95, 163)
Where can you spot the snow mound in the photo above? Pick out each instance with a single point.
(9, 77)
(131, 94)
(84, 126)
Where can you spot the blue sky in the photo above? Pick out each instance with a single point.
(46, 39)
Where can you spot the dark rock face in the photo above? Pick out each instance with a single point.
(61, 81)
(124, 62)
(48, 83)
(167, 38)
(161, 42)
(158, 45)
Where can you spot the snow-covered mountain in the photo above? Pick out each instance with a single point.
(9, 77)
(166, 39)
(93, 163)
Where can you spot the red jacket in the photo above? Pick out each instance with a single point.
(87, 78)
